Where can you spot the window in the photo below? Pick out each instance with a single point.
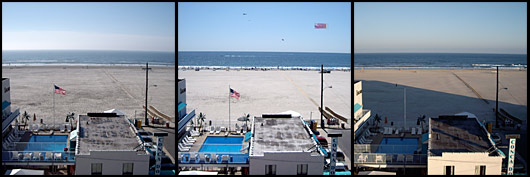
(480, 170)
(128, 168)
(449, 170)
(270, 169)
(301, 169)
(96, 168)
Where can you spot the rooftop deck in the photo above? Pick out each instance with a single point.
(106, 133)
(281, 135)
(457, 135)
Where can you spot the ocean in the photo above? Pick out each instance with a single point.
(439, 61)
(264, 60)
(86, 57)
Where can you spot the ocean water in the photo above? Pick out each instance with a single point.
(439, 60)
(263, 59)
(86, 57)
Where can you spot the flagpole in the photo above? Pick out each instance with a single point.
(229, 107)
(53, 105)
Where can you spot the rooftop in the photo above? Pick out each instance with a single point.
(106, 133)
(457, 134)
(281, 134)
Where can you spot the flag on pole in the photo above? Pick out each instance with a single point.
(59, 90)
(233, 93)
(320, 26)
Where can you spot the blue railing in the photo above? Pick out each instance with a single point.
(212, 158)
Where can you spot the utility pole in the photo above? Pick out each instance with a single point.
(497, 101)
(146, 87)
(321, 96)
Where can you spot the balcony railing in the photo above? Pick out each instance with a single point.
(390, 159)
(212, 158)
(38, 156)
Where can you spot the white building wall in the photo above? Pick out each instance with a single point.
(358, 98)
(112, 162)
(464, 163)
(286, 163)
(6, 96)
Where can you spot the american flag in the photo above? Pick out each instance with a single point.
(233, 93)
(59, 90)
(320, 26)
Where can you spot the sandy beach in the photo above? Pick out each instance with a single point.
(265, 92)
(92, 89)
(437, 92)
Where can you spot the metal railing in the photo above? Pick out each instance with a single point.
(38, 156)
(389, 149)
(390, 159)
(35, 146)
(212, 158)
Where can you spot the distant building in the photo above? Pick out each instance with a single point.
(461, 145)
(183, 116)
(107, 144)
(7, 116)
(360, 115)
(282, 144)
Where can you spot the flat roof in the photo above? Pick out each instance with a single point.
(106, 133)
(281, 135)
(457, 134)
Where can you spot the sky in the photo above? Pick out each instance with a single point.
(88, 26)
(441, 27)
(223, 27)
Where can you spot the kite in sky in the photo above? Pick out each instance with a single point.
(320, 26)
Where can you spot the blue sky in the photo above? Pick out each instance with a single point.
(223, 27)
(440, 27)
(88, 26)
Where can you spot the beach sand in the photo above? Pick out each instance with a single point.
(92, 89)
(265, 92)
(440, 92)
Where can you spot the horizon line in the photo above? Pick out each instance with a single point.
(263, 51)
(439, 52)
(86, 50)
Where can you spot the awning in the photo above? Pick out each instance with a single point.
(181, 106)
(73, 135)
(247, 136)
(5, 104)
(356, 107)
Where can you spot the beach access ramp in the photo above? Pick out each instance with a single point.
(152, 111)
(332, 114)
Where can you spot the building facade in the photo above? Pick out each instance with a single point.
(107, 144)
(283, 144)
(461, 145)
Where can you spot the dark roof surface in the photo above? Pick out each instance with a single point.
(457, 134)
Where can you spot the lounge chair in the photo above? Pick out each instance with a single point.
(61, 128)
(189, 139)
(15, 155)
(237, 128)
(244, 128)
(202, 157)
(223, 129)
(49, 155)
(42, 155)
(400, 158)
(183, 148)
(372, 134)
(420, 131)
(389, 158)
(413, 131)
(216, 158)
(397, 132)
(28, 155)
(212, 129)
(224, 158)
(410, 158)
(195, 133)
(379, 158)
(180, 157)
(58, 156)
(362, 158)
(217, 130)
(368, 141)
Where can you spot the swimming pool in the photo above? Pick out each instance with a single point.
(398, 145)
(46, 143)
(222, 144)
